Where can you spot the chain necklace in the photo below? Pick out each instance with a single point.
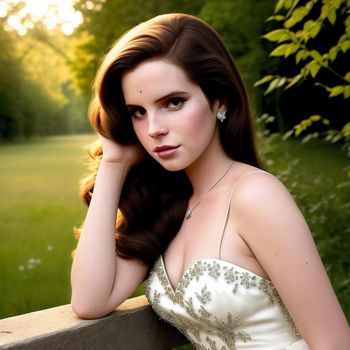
(190, 211)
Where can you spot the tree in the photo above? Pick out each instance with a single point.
(311, 42)
(106, 20)
(316, 34)
(241, 24)
(36, 94)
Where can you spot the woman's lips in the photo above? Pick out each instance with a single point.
(166, 151)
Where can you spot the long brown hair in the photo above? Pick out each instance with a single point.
(153, 200)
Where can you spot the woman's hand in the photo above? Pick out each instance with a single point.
(98, 287)
(116, 153)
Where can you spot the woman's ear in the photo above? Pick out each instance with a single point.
(220, 105)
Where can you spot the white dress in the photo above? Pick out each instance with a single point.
(218, 305)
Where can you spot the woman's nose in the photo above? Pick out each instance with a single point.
(156, 126)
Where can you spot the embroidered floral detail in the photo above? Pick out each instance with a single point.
(156, 297)
(190, 308)
(197, 270)
(204, 296)
(205, 315)
(214, 270)
(227, 331)
(230, 276)
(211, 343)
(267, 288)
(192, 313)
(186, 326)
(244, 336)
(247, 280)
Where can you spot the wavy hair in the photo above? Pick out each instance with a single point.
(153, 201)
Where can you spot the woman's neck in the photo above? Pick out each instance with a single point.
(208, 170)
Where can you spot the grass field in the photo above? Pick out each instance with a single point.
(39, 207)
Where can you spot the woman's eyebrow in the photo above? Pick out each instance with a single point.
(171, 94)
(160, 99)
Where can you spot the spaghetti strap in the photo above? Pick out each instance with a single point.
(229, 206)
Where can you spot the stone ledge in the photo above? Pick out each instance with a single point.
(133, 326)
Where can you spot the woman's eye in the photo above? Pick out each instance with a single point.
(175, 103)
(138, 113)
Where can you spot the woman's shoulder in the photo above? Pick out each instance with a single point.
(245, 174)
(254, 187)
(262, 208)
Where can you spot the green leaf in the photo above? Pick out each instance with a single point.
(275, 35)
(328, 138)
(277, 18)
(316, 29)
(324, 10)
(291, 49)
(298, 130)
(288, 134)
(337, 3)
(347, 91)
(301, 55)
(337, 138)
(316, 55)
(333, 52)
(325, 121)
(306, 123)
(298, 14)
(280, 50)
(315, 117)
(290, 22)
(288, 4)
(285, 37)
(336, 90)
(307, 138)
(281, 82)
(332, 16)
(294, 81)
(273, 85)
(314, 68)
(264, 80)
(308, 24)
(279, 5)
(347, 76)
(343, 38)
(345, 46)
(346, 128)
(347, 23)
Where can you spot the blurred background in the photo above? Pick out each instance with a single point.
(294, 57)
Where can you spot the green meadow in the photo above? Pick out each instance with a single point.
(40, 205)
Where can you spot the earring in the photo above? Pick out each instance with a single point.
(221, 116)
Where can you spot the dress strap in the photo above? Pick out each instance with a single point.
(229, 205)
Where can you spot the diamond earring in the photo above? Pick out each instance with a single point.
(221, 116)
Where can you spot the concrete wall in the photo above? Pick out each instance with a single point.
(133, 326)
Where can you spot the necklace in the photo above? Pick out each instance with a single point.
(190, 211)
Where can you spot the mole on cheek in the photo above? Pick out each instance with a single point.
(140, 91)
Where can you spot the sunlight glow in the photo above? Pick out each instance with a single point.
(52, 13)
(3, 9)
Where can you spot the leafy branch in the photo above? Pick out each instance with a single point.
(298, 28)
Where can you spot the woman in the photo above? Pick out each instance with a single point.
(221, 241)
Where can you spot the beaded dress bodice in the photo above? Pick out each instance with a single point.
(218, 305)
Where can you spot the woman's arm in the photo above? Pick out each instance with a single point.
(269, 221)
(100, 279)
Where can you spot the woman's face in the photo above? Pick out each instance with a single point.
(171, 116)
